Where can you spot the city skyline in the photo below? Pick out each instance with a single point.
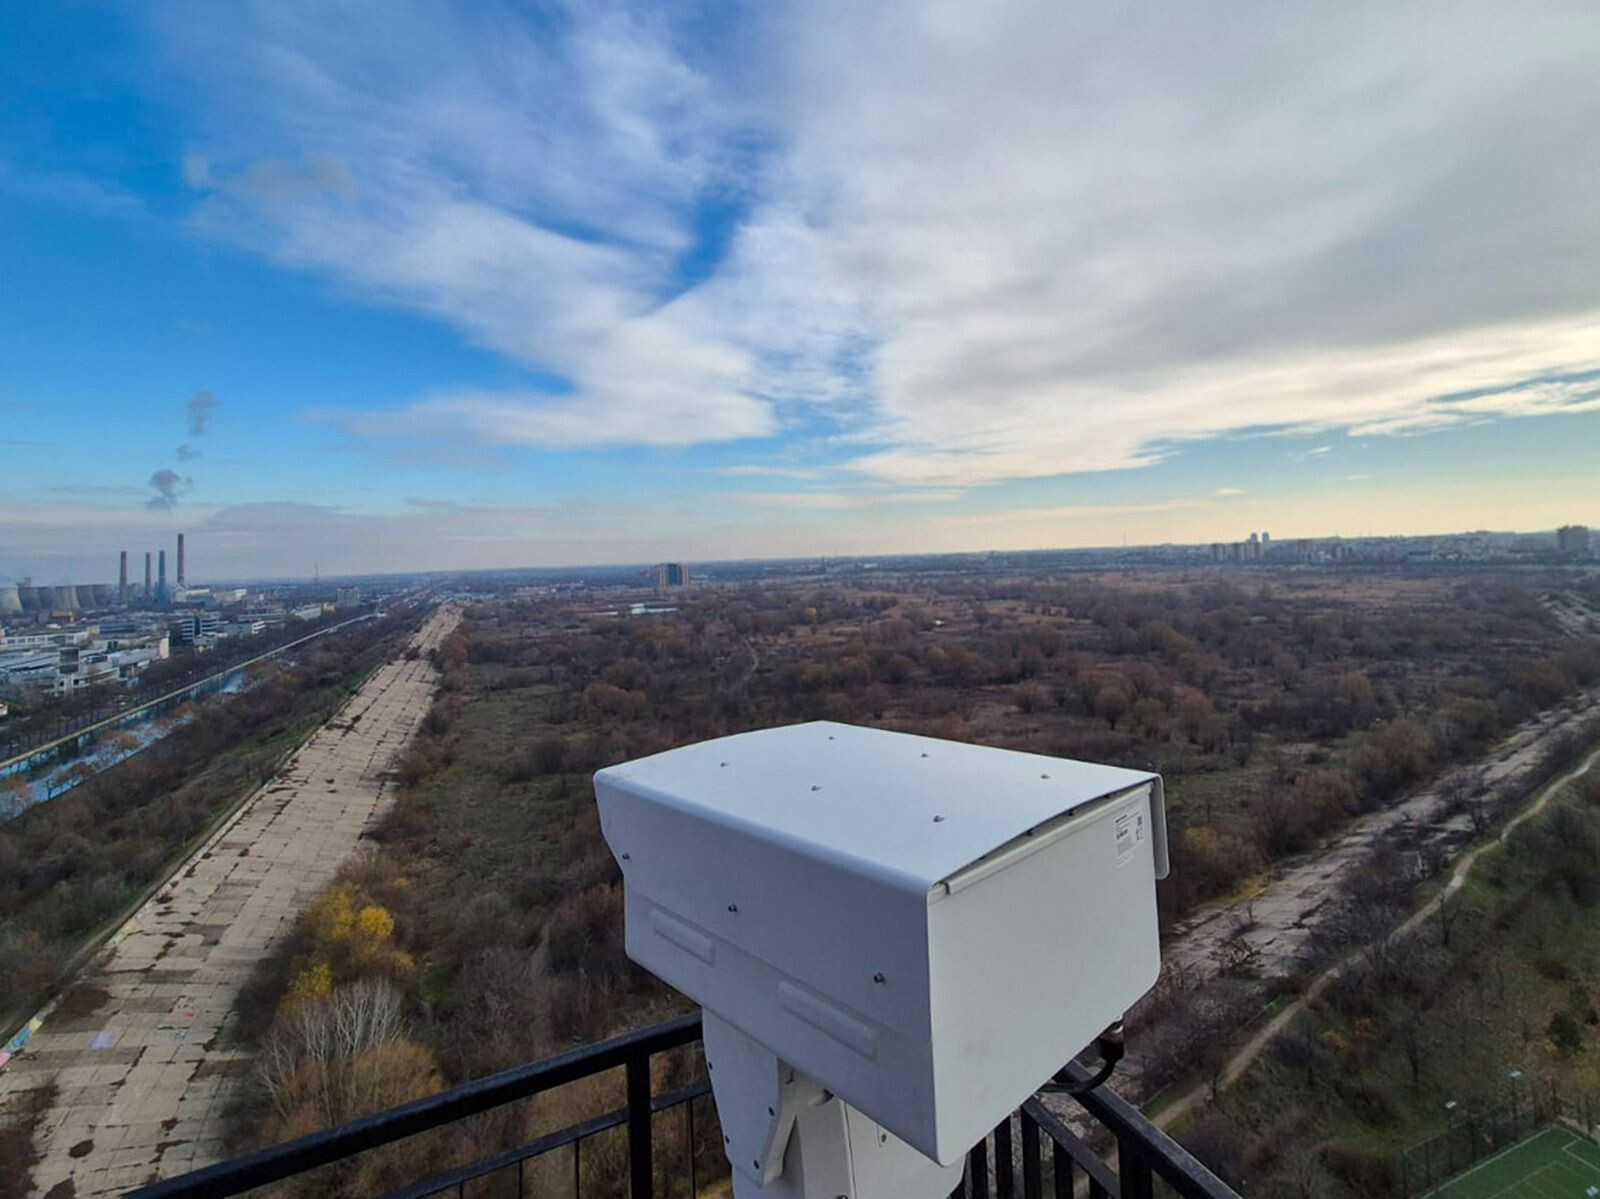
(1567, 542)
(621, 285)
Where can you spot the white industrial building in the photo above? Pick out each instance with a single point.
(57, 661)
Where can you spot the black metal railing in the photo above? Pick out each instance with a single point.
(1034, 1147)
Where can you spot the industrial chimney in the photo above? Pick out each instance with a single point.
(180, 559)
(122, 577)
(147, 574)
(161, 576)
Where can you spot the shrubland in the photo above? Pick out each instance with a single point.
(1276, 712)
(1503, 977)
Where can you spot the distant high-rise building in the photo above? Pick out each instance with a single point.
(671, 574)
(181, 576)
(1573, 541)
(347, 597)
(147, 574)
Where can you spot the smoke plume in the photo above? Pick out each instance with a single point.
(201, 405)
(169, 486)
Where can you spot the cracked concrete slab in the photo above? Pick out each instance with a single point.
(143, 1078)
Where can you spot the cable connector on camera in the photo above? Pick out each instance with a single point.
(1110, 1045)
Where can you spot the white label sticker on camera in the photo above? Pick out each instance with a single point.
(1130, 834)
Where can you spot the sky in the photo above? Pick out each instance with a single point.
(389, 286)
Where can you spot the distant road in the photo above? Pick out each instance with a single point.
(127, 713)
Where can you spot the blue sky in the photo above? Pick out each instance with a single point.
(488, 285)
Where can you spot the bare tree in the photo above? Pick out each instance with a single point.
(325, 1034)
(1236, 957)
(1408, 1032)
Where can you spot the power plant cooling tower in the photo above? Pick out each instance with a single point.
(104, 594)
(29, 597)
(10, 602)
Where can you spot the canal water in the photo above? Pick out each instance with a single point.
(51, 772)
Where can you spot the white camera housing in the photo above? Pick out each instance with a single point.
(926, 929)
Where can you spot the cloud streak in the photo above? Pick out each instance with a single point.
(970, 246)
(838, 500)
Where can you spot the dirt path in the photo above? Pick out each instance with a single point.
(1259, 1040)
(136, 1047)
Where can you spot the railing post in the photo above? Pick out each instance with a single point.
(694, 1184)
(1004, 1161)
(1133, 1171)
(1032, 1185)
(1062, 1169)
(641, 1169)
(978, 1171)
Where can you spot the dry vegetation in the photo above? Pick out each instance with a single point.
(1503, 977)
(1276, 712)
(72, 863)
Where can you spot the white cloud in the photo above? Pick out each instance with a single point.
(756, 469)
(1227, 491)
(843, 499)
(534, 193)
(980, 244)
(1065, 514)
(1533, 399)
(69, 190)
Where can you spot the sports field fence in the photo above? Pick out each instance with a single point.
(1473, 1136)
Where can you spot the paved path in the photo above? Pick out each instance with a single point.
(1264, 1036)
(1278, 920)
(134, 1048)
(1282, 916)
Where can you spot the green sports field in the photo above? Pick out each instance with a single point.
(1555, 1164)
